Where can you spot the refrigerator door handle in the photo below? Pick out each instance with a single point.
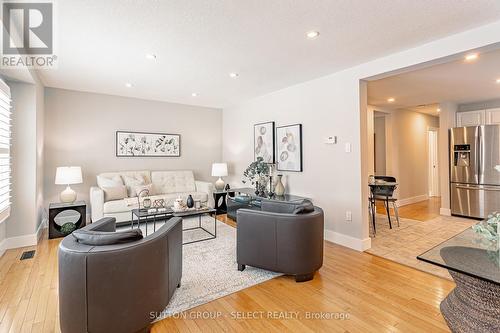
(478, 188)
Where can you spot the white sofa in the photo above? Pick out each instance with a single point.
(167, 185)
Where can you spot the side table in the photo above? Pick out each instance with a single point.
(220, 202)
(64, 218)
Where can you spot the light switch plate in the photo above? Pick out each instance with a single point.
(348, 147)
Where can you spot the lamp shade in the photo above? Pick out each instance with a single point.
(68, 175)
(219, 169)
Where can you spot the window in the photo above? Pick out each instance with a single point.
(5, 162)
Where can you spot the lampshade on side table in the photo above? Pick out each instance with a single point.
(68, 176)
(219, 170)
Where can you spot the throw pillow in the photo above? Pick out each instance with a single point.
(305, 207)
(114, 193)
(106, 238)
(109, 181)
(139, 188)
(131, 183)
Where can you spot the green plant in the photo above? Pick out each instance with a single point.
(257, 174)
(68, 228)
(488, 229)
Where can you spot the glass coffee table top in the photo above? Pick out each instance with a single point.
(251, 192)
(467, 253)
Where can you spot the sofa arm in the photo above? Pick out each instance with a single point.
(96, 203)
(208, 188)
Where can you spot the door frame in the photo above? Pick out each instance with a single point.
(433, 168)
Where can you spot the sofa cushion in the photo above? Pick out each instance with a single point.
(173, 181)
(131, 182)
(109, 181)
(117, 192)
(139, 188)
(144, 173)
(106, 238)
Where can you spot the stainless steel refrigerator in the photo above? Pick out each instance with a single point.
(475, 183)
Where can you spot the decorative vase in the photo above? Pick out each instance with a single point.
(279, 189)
(190, 201)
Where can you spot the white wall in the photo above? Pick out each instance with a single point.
(335, 105)
(410, 142)
(446, 121)
(80, 130)
(380, 143)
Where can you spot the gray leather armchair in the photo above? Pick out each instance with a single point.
(281, 239)
(120, 287)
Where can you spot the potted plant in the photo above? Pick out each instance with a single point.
(257, 173)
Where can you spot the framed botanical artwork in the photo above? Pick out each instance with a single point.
(145, 144)
(264, 141)
(289, 141)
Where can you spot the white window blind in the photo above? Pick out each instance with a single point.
(5, 160)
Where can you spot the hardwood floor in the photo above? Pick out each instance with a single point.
(421, 211)
(375, 294)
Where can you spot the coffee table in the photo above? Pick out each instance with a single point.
(140, 214)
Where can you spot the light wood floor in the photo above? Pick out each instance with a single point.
(377, 295)
(421, 211)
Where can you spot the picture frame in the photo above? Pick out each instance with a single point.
(264, 141)
(147, 144)
(289, 148)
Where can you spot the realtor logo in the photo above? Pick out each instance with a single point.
(28, 39)
(28, 28)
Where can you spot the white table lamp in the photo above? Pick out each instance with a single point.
(67, 176)
(219, 170)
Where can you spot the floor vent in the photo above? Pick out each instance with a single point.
(28, 255)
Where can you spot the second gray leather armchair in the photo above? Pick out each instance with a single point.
(279, 240)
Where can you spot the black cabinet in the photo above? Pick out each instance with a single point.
(65, 218)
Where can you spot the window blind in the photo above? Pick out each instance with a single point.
(5, 159)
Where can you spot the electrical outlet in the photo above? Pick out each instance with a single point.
(348, 215)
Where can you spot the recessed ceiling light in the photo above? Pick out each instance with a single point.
(471, 56)
(151, 56)
(312, 34)
(391, 99)
(438, 110)
(234, 75)
(129, 85)
(194, 94)
(498, 80)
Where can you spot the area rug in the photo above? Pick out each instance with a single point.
(404, 243)
(209, 268)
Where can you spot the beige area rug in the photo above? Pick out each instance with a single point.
(403, 244)
(209, 268)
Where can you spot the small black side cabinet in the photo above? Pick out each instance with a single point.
(65, 218)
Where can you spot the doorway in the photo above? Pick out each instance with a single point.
(433, 167)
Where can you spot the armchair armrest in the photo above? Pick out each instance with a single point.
(208, 188)
(96, 203)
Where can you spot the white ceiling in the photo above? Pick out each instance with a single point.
(457, 81)
(101, 45)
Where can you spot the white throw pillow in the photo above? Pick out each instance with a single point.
(139, 188)
(109, 182)
(118, 192)
(131, 183)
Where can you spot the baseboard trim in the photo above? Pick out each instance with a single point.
(348, 241)
(41, 226)
(445, 211)
(2, 248)
(412, 200)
